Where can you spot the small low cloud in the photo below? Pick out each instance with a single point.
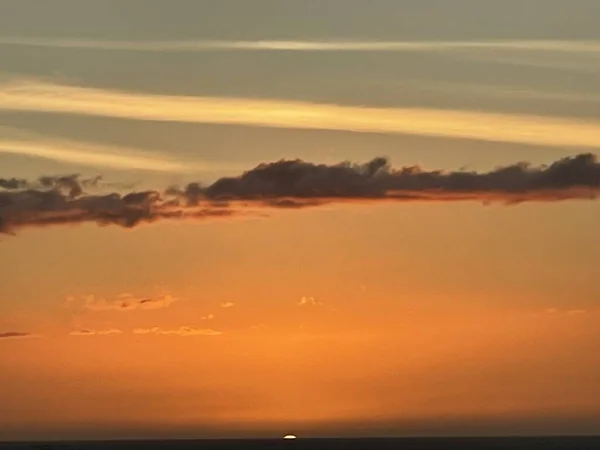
(128, 302)
(90, 332)
(309, 301)
(181, 331)
(227, 305)
(208, 317)
(17, 335)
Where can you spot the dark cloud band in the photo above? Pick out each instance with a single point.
(292, 184)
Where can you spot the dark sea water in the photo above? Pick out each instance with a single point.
(541, 443)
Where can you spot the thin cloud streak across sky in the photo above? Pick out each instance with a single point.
(88, 155)
(461, 124)
(568, 46)
(92, 155)
(500, 91)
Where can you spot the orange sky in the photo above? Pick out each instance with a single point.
(406, 325)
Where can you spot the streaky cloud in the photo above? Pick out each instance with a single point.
(87, 154)
(298, 184)
(333, 45)
(458, 124)
(580, 62)
(501, 91)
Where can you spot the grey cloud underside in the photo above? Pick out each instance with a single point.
(71, 185)
(12, 183)
(292, 184)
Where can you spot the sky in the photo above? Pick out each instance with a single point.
(328, 218)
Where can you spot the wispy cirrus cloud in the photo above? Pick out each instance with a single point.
(516, 92)
(523, 129)
(20, 143)
(299, 184)
(331, 45)
(181, 331)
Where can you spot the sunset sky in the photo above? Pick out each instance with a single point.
(319, 217)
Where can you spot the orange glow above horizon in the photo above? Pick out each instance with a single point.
(282, 343)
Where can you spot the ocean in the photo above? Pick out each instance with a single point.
(508, 443)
